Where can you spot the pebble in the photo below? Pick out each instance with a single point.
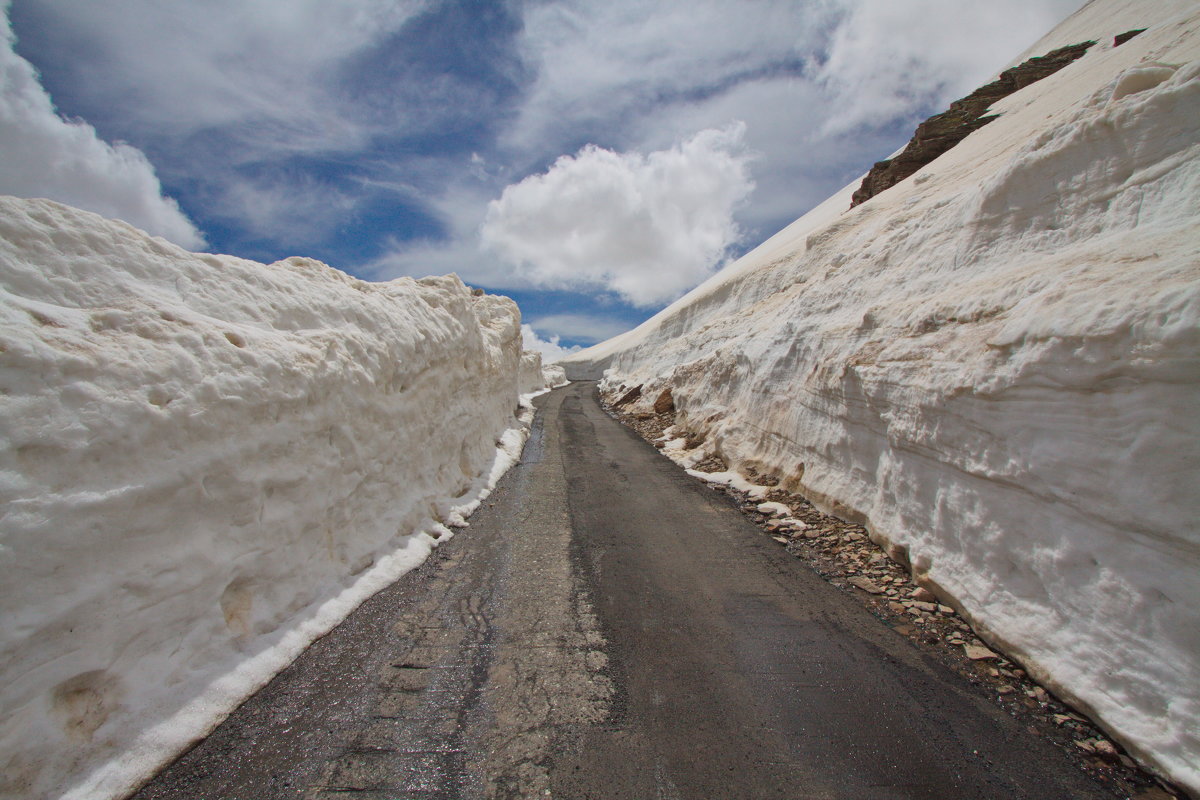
(924, 595)
(1105, 749)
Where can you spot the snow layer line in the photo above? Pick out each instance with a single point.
(207, 462)
(995, 365)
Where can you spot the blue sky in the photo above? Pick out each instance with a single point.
(592, 160)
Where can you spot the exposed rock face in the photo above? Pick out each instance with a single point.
(1122, 38)
(942, 131)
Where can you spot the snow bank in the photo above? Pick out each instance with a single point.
(995, 366)
(554, 376)
(207, 463)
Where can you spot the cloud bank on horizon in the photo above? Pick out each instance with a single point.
(594, 160)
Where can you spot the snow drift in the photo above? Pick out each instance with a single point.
(995, 366)
(207, 463)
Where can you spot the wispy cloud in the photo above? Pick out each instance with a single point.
(266, 69)
(600, 66)
(887, 59)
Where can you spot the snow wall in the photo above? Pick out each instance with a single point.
(995, 365)
(536, 377)
(207, 462)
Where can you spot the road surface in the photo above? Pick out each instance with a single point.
(609, 627)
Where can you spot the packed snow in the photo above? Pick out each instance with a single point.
(207, 462)
(995, 365)
(536, 377)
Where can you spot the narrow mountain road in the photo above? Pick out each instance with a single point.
(610, 628)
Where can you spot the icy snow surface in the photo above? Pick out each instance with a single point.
(207, 462)
(995, 365)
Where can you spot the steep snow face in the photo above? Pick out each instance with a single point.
(530, 377)
(206, 463)
(995, 365)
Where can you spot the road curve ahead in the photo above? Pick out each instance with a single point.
(610, 628)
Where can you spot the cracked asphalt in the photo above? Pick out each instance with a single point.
(608, 627)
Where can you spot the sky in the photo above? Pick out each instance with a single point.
(592, 159)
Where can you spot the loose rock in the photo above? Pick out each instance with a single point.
(866, 584)
(977, 652)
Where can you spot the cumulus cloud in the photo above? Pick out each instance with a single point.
(550, 348)
(647, 227)
(48, 156)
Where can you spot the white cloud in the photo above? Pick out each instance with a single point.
(648, 227)
(886, 58)
(47, 156)
(550, 349)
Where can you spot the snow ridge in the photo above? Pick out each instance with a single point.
(994, 365)
(207, 463)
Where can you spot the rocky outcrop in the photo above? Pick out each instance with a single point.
(942, 131)
(629, 396)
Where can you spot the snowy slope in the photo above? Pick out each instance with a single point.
(995, 365)
(206, 463)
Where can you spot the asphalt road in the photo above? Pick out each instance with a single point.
(610, 628)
